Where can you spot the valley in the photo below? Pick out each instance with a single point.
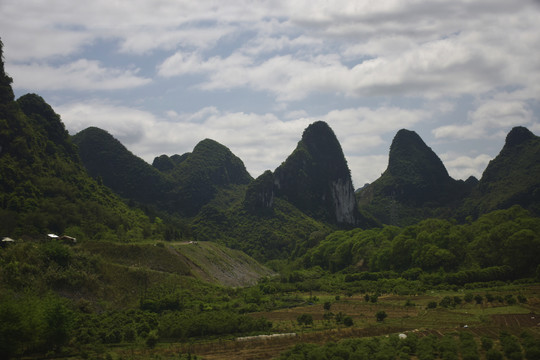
(181, 258)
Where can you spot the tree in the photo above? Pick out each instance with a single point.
(327, 305)
(478, 299)
(152, 339)
(381, 315)
(305, 319)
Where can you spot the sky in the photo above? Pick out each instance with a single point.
(162, 75)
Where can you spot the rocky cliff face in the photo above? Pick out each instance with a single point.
(260, 193)
(316, 178)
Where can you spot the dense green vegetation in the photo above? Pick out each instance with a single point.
(449, 347)
(272, 234)
(498, 246)
(512, 177)
(136, 276)
(44, 187)
(414, 186)
(305, 179)
(178, 185)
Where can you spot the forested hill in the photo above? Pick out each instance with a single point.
(512, 177)
(416, 185)
(316, 178)
(44, 187)
(105, 158)
(179, 185)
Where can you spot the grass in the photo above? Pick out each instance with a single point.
(481, 320)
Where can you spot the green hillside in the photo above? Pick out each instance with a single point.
(106, 159)
(512, 177)
(45, 189)
(167, 258)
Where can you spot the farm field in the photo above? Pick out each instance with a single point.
(405, 314)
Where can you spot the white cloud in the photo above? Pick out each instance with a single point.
(462, 166)
(366, 169)
(362, 129)
(262, 141)
(491, 118)
(368, 68)
(80, 75)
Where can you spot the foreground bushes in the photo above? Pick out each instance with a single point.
(449, 347)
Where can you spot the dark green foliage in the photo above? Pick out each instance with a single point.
(152, 339)
(43, 186)
(305, 319)
(33, 324)
(484, 250)
(414, 182)
(468, 347)
(427, 348)
(6, 92)
(381, 315)
(260, 194)
(286, 233)
(448, 348)
(177, 184)
(510, 346)
(129, 176)
(512, 177)
(198, 177)
(487, 343)
(348, 321)
(446, 302)
(494, 354)
(530, 345)
(316, 178)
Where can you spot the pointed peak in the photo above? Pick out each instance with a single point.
(208, 145)
(408, 138)
(317, 127)
(319, 133)
(518, 135)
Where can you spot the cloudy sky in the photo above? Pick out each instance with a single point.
(161, 75)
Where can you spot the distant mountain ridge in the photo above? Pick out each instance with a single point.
(513, 176)
(416, 184)
(415, 178)
(126, 174)
(179, 184)
(44, 187)
(316, 179)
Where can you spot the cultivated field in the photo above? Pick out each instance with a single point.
(404, 314)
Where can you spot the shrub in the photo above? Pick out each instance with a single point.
(348, 321)
(381, 315)
(493, 354)
(432, 305)
(447, 301)
(487, 343)
(152, 339)
(305, 319)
